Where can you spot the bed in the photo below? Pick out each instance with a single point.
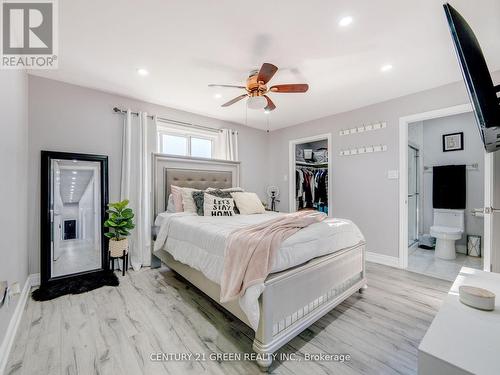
(292, 298)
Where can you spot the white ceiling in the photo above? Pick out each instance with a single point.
(186, 45)
(73, 179)
(72, 193)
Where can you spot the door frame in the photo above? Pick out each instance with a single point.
(489, 188)
(403, 170)
(419, 187)
(291, 163)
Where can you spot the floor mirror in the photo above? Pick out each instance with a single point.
(74, 198)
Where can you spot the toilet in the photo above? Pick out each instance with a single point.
(448, 227)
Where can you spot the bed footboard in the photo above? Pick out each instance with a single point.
(292, 301)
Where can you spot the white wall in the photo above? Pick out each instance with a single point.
(473, 153)
(65, 117)
(361, 190)
(13, 188)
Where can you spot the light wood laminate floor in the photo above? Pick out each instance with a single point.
(115, 330)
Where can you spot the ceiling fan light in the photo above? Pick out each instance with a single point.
(256, 102)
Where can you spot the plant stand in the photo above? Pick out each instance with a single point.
(124, 259)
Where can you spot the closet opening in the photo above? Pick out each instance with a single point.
(310, 174)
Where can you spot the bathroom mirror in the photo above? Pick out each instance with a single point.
(74, 197)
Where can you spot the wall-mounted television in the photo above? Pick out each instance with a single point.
(482, 91)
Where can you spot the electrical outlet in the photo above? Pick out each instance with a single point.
(393, 174)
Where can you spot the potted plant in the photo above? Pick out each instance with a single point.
(119, 224)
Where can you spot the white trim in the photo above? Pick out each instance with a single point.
(15, 320)
(489, 188)
(403, 169)
(382, 259)
(291, 174)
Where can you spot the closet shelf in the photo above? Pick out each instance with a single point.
(305, 164)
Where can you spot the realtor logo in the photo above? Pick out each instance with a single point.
(29, 31)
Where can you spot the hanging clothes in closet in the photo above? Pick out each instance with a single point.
(311, 187)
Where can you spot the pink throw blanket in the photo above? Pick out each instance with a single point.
(250, 251)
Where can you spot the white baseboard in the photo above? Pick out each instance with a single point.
(10, 334)
(382, 259)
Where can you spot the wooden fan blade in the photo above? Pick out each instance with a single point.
(237, 99)
(294, 87)
(232, 86)
(266, 72)
(270, 105)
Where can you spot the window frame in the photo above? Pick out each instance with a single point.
(188, 134)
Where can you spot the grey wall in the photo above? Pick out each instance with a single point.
(13, 188)
(65, 117)
(473, 152)
(361, 190)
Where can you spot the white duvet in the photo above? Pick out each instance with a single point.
(200, 241)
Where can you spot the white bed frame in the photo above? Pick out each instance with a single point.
(292, 299)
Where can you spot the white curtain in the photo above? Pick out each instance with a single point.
(227, 145)
(139, 141)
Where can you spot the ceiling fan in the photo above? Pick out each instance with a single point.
(257, 90)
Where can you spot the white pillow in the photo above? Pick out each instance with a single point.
(171, 204)
(248, 203)
(216, 206)
(187, 200)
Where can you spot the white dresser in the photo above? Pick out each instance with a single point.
(461, 339)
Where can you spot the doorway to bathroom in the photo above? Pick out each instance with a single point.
(443, 180)
(413, 195)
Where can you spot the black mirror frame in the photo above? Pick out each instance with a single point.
(45, 224)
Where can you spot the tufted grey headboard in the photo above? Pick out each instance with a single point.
(197, 178)
(196, 173)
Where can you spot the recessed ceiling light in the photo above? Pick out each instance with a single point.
(75, 172)
(142, 72)
(345, 21)
(218, 96)
(73, 178)
(386, 68)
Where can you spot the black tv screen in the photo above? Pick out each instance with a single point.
(482, 91)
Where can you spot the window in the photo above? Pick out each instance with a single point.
(201, 147)
(175, 142)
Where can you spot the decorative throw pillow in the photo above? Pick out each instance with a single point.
(187, 200)
(248, 203)
(177, 197)
(217, 206)
(199, 199)
(171, 205)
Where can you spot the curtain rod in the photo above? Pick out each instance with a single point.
(170, 121)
